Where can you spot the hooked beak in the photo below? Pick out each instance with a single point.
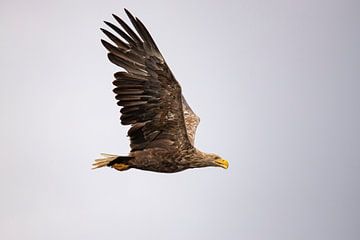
(222, 163)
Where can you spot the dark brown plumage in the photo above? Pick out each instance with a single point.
(162, 124)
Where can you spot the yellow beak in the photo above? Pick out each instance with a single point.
(222, 163)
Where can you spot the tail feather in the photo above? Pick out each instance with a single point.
(105, 161)
(110, 160)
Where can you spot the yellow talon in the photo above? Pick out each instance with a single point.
(120, 166)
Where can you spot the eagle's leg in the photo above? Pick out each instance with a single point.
(121, 166)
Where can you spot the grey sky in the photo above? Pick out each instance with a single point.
(276, 84)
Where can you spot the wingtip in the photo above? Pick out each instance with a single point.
(128, 13)
(106, 32)
(117, 18)
(104, 43)
(107, 23)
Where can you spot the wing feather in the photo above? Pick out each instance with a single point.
(147, 91)
(191, 121)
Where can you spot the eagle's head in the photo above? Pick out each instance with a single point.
(217, 161)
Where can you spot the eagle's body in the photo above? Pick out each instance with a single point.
(163, 126)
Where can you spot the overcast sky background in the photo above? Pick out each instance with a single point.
(276, 84)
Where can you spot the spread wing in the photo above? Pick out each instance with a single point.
(191, 121)
(148, 92)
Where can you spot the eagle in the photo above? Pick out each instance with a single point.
(162, 124)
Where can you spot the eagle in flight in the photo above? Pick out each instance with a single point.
(163, 126)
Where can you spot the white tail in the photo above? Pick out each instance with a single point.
(103, 162)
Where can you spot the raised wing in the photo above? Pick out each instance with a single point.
(148, 92)
(191, 121)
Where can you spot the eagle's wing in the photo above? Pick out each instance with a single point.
(191, 121)
(148, 92)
